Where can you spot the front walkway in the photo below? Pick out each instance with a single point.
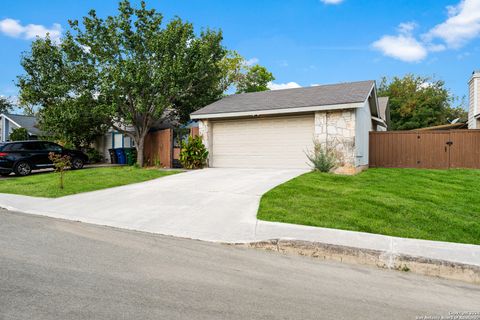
(217, 205)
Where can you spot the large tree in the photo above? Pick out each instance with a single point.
(127, 71)
(130, 66)
(417, 102)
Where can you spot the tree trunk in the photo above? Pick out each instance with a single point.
(139, 145)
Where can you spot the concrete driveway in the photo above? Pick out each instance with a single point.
(211, 204)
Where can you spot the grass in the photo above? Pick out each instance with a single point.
(77, 181)
(441, 205)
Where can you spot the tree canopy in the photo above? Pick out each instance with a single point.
(5, 105)
(418, 102)
(19, 134)
(129, 71)
(255, 79)
(65, 91)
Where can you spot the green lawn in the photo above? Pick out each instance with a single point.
(439, 205)
(47, 184)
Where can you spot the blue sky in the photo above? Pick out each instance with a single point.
(303, 42)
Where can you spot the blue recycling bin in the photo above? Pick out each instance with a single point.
(121, 158)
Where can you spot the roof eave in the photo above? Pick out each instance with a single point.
(255, 113)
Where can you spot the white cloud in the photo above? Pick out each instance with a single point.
(462, 25)
(332, 1)
(252, 61)
(13, 28)
(280, 86)
(402, 46)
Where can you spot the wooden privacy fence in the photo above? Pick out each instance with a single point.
(425, 149)
(158, 148)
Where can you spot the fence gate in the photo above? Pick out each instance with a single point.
(425, 149)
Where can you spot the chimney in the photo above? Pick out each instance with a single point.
(474, 101)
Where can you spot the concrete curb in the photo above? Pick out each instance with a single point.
(381, 259)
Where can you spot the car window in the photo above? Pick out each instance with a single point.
(2, 145)
(53, 147)
(32, 146)
(14, 147)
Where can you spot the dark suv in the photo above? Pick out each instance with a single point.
(22, 157)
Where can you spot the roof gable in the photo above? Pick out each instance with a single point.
(27, 122)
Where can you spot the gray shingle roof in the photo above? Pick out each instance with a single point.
(27, 122)
(291, 98)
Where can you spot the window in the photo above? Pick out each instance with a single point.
(32, 146)
(52, 147)
(23, 146)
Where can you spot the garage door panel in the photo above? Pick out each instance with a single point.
(263, 142)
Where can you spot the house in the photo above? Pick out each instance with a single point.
(275, 129)
(112, 139)
(9, 121)
(474, 100)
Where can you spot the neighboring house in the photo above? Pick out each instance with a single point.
(474, 101)
(112, 140)
(8, 122)
(275, 129)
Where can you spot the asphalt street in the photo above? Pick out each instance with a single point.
(57, 269)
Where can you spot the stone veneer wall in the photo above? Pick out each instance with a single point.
(336, 129)
(204, 131)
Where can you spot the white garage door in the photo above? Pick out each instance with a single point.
(274, 142)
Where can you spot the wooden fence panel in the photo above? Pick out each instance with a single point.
(194, 132)
(465, 149)
(433, 150)
(393, 149)
(158, 148)
(425, 149)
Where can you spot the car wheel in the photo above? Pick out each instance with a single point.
(77, 164)
(23, 168)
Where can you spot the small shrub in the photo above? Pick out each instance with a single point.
(323, 158)
(19, 134)
(60, 163)
(94, 155)
(193, 154)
